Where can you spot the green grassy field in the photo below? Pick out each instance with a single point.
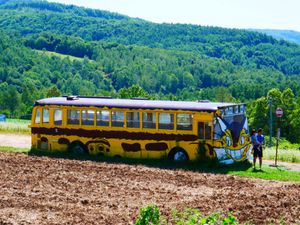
(267, 173)
(285, 155)
(15, 126)
(13, 149)
(62, 56)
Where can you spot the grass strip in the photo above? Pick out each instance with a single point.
(15, 126)
(14, 149)
(284, 155)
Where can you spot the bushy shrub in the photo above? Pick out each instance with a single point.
(151, 215)
(193, 216)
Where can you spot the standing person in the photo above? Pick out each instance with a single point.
(261, 141)
(255, 146)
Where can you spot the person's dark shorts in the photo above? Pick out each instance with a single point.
(258, 152)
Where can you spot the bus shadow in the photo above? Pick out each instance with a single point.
(194, 166)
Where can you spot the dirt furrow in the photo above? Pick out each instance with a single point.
(42, 190)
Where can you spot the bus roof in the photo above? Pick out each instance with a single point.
(103, 102)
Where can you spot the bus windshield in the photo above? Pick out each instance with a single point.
(234, 119)
(235, 124)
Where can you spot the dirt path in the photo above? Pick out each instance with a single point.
(15, 140)
(285, 165)
(41, 190)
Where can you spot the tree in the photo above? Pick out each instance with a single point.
(53, 92)
(11, 100)
(258, 114)
(294, 119)
(222, 94)
(133, 92)
(188, 80)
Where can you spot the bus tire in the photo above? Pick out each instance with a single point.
(78, 148)
(178, 154)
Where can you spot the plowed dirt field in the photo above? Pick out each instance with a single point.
(42, 190)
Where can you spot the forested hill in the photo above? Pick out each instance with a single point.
(115, 53)
(289, 35)
(56, 7)
(241, 47)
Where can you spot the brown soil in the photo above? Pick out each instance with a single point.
(42, 190)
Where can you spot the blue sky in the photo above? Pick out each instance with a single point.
(271, 14)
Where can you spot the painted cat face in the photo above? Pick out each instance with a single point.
(234, 142)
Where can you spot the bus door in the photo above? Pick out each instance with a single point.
(205, 137)
(205, 131)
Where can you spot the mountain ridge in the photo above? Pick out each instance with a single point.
(124, 58)
(58, 7)
(288, 35)
(173, 61)
(240, 46)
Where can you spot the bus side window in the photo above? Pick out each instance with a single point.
(149, 120)
(117, 119)
(204, 130)
(37, 118)
(45, 116)
(58, 117)
(73, 117)
(102, 118)
(166, 121)
(218, 133)
(201, 130)
(87, 117)
(133, 119)
(208, 129)
(184, 122)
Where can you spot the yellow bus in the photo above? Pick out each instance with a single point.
(141, 128)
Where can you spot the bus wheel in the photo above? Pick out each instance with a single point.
(78, 148)
(178, 155)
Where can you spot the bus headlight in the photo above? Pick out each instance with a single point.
(228, 141)
(242, 140)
